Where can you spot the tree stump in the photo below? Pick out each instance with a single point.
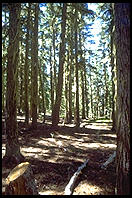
(20, 181)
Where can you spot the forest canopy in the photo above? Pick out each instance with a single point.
(94, 70)
(67, 64)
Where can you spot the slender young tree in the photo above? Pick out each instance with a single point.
(13, 155)
(34, 102)
(113, 71)
(76, 117)
(26, 68)
(122, 43)
(51, 79)
(56, 108)
(42, 85)
(71, 57)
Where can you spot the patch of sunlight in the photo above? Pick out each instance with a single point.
(94, 145)
(109, 135)
(48, 143)
(21, 117)
(69, 125)
(55, 159)
(87, 189)
(97, 145)
(83, 134)
(98, 127)
(82, 125)
(30, 154)
(31, 149)
(64, 136)
(48, 192)
(99, 124)
(104, 121)
(51, 141)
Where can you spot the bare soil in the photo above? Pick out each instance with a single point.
(55, 155)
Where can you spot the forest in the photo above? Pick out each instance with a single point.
(65, 98)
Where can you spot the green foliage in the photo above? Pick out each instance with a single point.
(95, 64)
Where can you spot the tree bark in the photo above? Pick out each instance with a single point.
(26, 68)
(34, 102)
(76, 116)
(20, 181)
(113, 77)
(51, 80)
(91, 93)
(70, 73)
(122, 42)
(41, 76)
(66, 90)
(56, 108)
(13, 154)
(86, 92)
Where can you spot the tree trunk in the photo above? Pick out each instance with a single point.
(41, 76)
(82, 76)
(70, 74)
(83, 102)
(12, 155)
(76, 117)
(91, 93)
(26, 69)
(86, 91)
(66, 90)
(106, 91)
(113, 77)
(51, 80)
(122, 42)
(20, 181)
(19, 86)
(34, 101)
(56, 108)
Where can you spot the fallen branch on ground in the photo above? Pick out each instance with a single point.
(109, 160)
(70, 186)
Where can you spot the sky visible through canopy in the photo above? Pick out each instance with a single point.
(95, 29)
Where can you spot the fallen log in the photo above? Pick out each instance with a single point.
(109, 160)
(70, 186)
(20, 181)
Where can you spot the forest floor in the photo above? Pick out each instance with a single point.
(56, 154)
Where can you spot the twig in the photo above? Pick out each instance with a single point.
(109, 160)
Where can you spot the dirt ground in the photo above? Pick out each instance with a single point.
(56, 154)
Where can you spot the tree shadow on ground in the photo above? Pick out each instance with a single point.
(55, 154)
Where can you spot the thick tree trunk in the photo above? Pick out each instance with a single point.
(122, 41)
(56, 108)
(12, 155)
